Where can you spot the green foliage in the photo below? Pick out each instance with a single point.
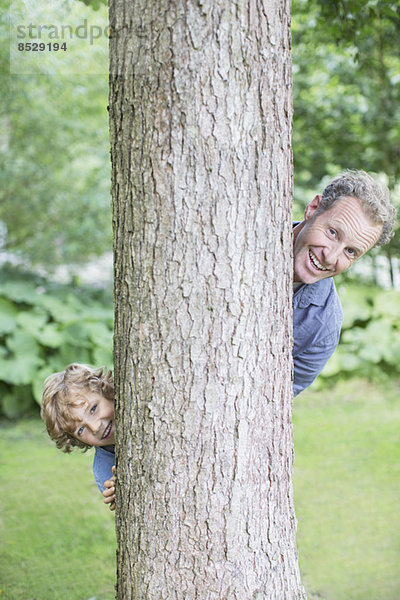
(346, 87)
(43, 328)
(54, 148)
(355, 21)
(95, 4)
(370, 340)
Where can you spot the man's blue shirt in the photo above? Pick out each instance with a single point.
(317, 319)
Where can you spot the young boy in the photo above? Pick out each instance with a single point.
(78, 409)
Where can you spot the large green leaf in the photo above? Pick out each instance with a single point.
(70, 353)
(58, 309)
(387, 304)
(15, 404)
(20, 367)
(20, 291)
(99, 333)
(103, 356)
(372, 343)
(32, 321)
(50, 336)
(77, 334)
(8, 316)
(357, 302)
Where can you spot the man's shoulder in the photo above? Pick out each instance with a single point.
(317, 315)
(321, 293)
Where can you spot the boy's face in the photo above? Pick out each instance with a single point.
(94, 420)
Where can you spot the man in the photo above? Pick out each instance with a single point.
(352, 215)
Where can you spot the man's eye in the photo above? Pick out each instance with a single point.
(93, 409)
(80, 430)
(352, 252)
(332, 231)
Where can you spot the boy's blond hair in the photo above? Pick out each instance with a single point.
(65, 390)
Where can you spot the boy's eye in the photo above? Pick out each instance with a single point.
(93, 409)
(80, 430)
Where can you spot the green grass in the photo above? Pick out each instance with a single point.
(347, 491)
(57, 539)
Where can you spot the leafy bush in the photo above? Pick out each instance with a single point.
(370, 341)
(43, 328)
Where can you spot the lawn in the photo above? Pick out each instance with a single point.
(347, 491)
(57, 539)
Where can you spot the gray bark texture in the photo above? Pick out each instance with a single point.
(200, 120)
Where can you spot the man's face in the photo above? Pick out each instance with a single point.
(329, 243)
(94, 420)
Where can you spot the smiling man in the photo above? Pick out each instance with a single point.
(352, 215)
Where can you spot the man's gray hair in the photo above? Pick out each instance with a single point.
(373, 195)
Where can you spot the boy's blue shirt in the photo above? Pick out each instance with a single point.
(104, 460)
(317, 319)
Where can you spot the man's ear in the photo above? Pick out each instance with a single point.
(312, 208)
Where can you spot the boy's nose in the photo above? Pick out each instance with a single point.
(94, 426)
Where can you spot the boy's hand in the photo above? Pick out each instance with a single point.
(109, 492)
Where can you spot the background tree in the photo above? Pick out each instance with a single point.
(200, 107)
(54, 156)
(347, 87)
(347, 98)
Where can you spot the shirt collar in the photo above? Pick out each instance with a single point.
(314, 293)
(108, 448)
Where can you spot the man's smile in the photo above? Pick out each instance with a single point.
(316, 262)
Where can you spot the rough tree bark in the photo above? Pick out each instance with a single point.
(200, 114)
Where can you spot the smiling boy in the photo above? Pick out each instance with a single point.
(78, 409)
(94, 420)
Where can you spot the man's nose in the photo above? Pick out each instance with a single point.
(331, 255)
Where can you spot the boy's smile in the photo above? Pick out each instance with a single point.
(94, 420)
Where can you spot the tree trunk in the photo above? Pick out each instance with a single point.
(200, 113)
